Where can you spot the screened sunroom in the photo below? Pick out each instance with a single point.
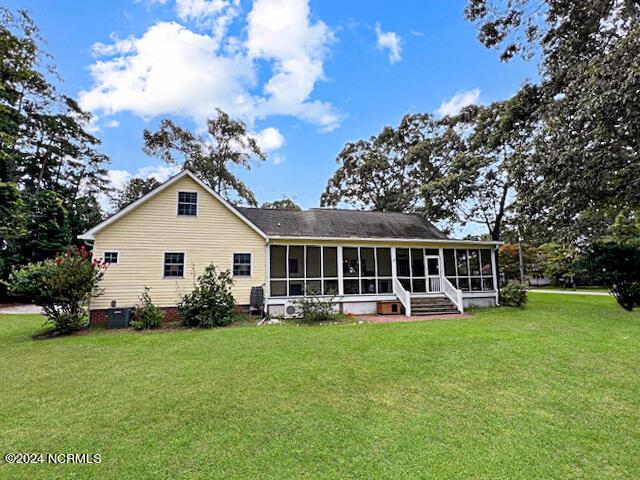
(352, 273)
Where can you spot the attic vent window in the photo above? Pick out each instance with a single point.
(111, 257)
(188, 204)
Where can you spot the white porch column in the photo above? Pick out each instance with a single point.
(496, 286)
(394, 269)
(267, 272)
(340, 286)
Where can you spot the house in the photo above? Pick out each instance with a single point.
(167, 237)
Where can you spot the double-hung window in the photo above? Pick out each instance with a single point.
(241, 264)
(188, 204)
(173, 264)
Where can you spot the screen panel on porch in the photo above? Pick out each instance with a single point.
(366, 270)
(297, 270)
(469, 269)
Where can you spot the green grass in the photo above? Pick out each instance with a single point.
(551, 391)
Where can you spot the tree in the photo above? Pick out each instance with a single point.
(44, 143)
(226, 143)
(49, 232)
(484, 150)
(285, 203)
(509, 261)
(554, 261)
(132, 191)
(626, 227)
(586, 164)
(381, 173)
(13, 229)
(46, 150)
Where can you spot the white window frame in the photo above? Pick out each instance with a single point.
(104, 255)
(178, 204)
(184, 266)
(233, 264)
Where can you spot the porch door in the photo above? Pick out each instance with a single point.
(432, 262)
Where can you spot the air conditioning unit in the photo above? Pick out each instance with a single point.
(292, 310)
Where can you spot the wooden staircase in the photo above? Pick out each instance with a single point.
(440, 305)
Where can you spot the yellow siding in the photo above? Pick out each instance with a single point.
(142, 237)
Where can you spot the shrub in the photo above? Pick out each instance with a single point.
(61, 286)
(616, 264)
(211, 303)
(146, 315)
(316, 308)
(514, 294)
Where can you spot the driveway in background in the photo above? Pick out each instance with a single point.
(14, 308)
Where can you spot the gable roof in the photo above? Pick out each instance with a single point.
(91, 234)
(317, 223)
(333, 223)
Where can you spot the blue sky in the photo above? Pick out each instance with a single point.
(307, 76)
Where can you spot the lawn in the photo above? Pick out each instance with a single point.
(551, 391)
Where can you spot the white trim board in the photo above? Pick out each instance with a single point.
(91, 233)
(344, 241)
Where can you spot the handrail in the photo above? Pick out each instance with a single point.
(452, 293)
(403, 296)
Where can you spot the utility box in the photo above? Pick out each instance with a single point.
(118, 317)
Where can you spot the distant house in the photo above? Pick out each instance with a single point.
(167, 237)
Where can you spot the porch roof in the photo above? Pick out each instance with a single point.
(337, 223)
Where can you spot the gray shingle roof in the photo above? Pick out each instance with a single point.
(331, 223)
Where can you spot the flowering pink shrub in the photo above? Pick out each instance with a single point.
(62, 286)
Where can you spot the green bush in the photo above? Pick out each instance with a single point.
(61, 286)
(514, 294)
(146, 315)
(317, 309)
(616, 264)
(211, 303)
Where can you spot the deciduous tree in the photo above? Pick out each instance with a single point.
(285, 203)
(210, 156)
(132, 191)
(382, 173)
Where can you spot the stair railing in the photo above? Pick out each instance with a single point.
(403, 296)
(452, 293)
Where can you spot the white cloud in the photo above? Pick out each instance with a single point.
(113, 124)
(455, 104)
(277, 158)
(269, 139)
(216, 14)
(172, 70)
(119, 178)
(390, 41)
(161, 173)
(169, 70)
(281, 31)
